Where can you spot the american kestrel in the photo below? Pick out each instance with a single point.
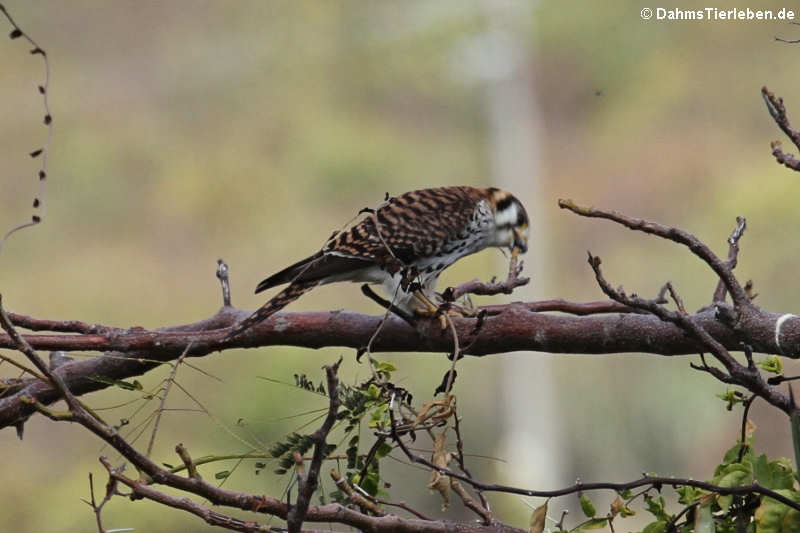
(418, 234)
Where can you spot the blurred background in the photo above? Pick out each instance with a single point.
(250, 130)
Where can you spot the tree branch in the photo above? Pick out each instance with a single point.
(678, 235)
(778, 113)
(511, 327)
(308, 484)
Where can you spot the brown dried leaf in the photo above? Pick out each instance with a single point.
(617, 506)
(749, 428)
(538, 519)
(441, 458)
(437, 410)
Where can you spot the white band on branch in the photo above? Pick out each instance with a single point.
(778, 326)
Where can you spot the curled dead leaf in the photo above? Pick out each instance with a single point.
(617, 506)
(538, 519)
(441, 458)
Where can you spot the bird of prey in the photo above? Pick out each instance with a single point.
(414, 236)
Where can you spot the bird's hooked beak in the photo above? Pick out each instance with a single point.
(520, 244)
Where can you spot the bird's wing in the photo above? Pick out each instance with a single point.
(413, 225)
(314, 268)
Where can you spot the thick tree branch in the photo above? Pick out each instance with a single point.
(512, 327)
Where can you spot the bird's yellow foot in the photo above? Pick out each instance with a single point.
(426, 308)
(429, 309)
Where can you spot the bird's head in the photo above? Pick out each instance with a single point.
(510, 221)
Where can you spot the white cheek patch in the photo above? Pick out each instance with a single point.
(504, 237)
(507, 216)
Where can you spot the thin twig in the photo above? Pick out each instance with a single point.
(460, 458)
(63, 326)
(470, 503)
(733, 256)
(222, 276)
(743, 437)
(720, 267)
(212, 517)
(22, 367)
(480, 288)
(97, 508)
(451, 374)
(308, 483)
(676, 297)
(747, 377)
(564, 306)
(39, 204)
(188, 463)
(405, 507)
(777, 111)
(645, 481)
(354, 496)
(170, 379)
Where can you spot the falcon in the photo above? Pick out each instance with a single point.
(404, 245)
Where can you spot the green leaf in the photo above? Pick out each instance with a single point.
(656, 508)
(371, 483)
(382, 367)
(732, 455)
(775, 517)
(732, 397)
(278, 449)
(383, 450)
(379, 416)
(655, 527)
(688, 495)
(773, 474)
(772, 364)
(587, 506)
(732, 475)
(594, 523)
(626, 494)
(373, 392)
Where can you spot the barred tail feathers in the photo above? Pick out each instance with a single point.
(279, 301)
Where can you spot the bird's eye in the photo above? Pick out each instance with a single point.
(504, 204)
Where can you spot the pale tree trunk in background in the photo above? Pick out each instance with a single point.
(524, 385)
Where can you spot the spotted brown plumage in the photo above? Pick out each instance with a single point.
(425, 230)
